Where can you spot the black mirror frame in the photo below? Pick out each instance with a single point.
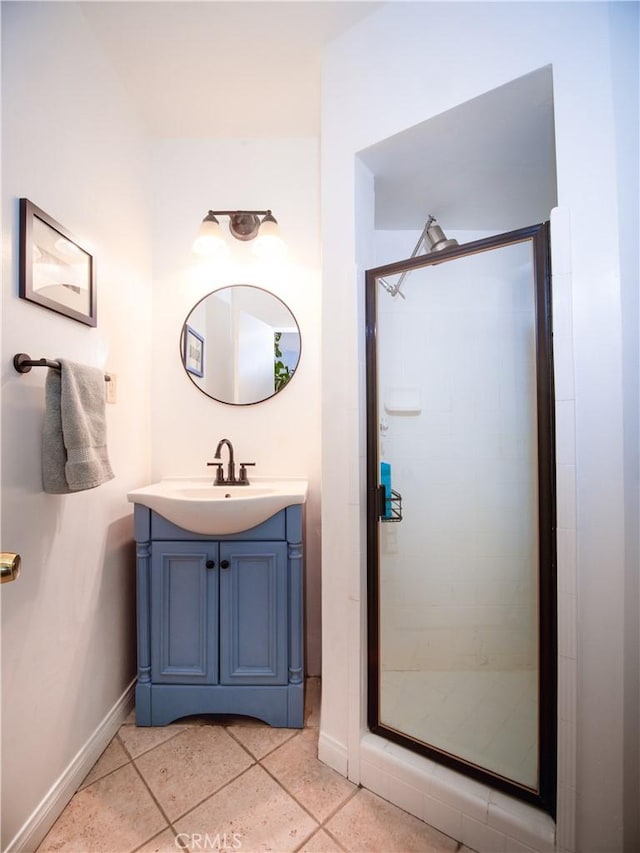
(194, 374)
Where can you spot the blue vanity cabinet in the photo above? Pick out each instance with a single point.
(184, 612)
(220, 621)
(253, 613)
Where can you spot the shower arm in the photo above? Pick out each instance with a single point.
(394, 289)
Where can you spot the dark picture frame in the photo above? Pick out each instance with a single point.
(56, 271)
(193, 354)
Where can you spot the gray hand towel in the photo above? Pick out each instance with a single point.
(74, 444)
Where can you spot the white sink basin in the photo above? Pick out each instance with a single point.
(197, 505)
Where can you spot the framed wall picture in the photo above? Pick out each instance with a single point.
(56, 271)
(193, 352)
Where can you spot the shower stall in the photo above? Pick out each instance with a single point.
(461, 508)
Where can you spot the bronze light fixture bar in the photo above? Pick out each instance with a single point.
(244, 225)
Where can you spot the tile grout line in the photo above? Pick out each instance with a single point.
(84, 787)
(323, 824)
(155, 746)
(287, 791)
(319, 821)
(213, 794)
(151, 794)
(157, 835)
(271, 751)
(313, 835)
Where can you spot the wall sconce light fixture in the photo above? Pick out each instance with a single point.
(244, 225)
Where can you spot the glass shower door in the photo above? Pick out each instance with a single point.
(462, 512)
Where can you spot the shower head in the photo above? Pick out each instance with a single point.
(435, 237)
(434, 240)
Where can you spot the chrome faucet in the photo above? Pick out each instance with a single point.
(220, 480)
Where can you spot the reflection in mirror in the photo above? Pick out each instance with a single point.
(240, 345)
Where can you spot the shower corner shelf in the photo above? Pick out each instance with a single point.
(394, 505)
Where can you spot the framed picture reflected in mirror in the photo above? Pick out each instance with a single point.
(193, 352)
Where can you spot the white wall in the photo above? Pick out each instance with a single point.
(282, 434)
(72, 146)
(451, 53)
(625, 60)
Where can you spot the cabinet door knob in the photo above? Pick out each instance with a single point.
(211, 564)
(224, 564)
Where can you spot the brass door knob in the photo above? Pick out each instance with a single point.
(10, 566)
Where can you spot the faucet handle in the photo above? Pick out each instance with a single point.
(219, 475)
(243, 472)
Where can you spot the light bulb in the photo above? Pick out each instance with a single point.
(210, 240)
(268, 244)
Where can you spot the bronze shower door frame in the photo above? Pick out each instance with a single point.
(544, 796)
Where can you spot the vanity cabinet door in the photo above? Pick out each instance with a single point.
(253, 613)
(184, 612)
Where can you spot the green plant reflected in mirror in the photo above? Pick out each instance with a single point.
(240, 345)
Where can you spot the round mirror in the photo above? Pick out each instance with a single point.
(240, 345)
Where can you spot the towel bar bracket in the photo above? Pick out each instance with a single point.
(23, 364)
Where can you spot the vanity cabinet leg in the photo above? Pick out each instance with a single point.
(143, 687)
(295, 709)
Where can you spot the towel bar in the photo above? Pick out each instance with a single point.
(23, 364)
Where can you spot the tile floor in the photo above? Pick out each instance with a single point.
(234, 784)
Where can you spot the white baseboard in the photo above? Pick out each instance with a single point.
(333, 753)
(49, 809)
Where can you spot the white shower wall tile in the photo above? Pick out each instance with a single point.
(375, 779)
(446, 818)
(567, 634)
(566, 689)
(408, 797)
(470, 802)
(403, 764)
(567, 756)
(565, 432)
(560, 238)
(566, 818)
(567, 562)
(411, 774)
(562, 305)
(481, 837)
(455, 804)
(563, 360)
(531, 826)
(514, 846)
(566, 496)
